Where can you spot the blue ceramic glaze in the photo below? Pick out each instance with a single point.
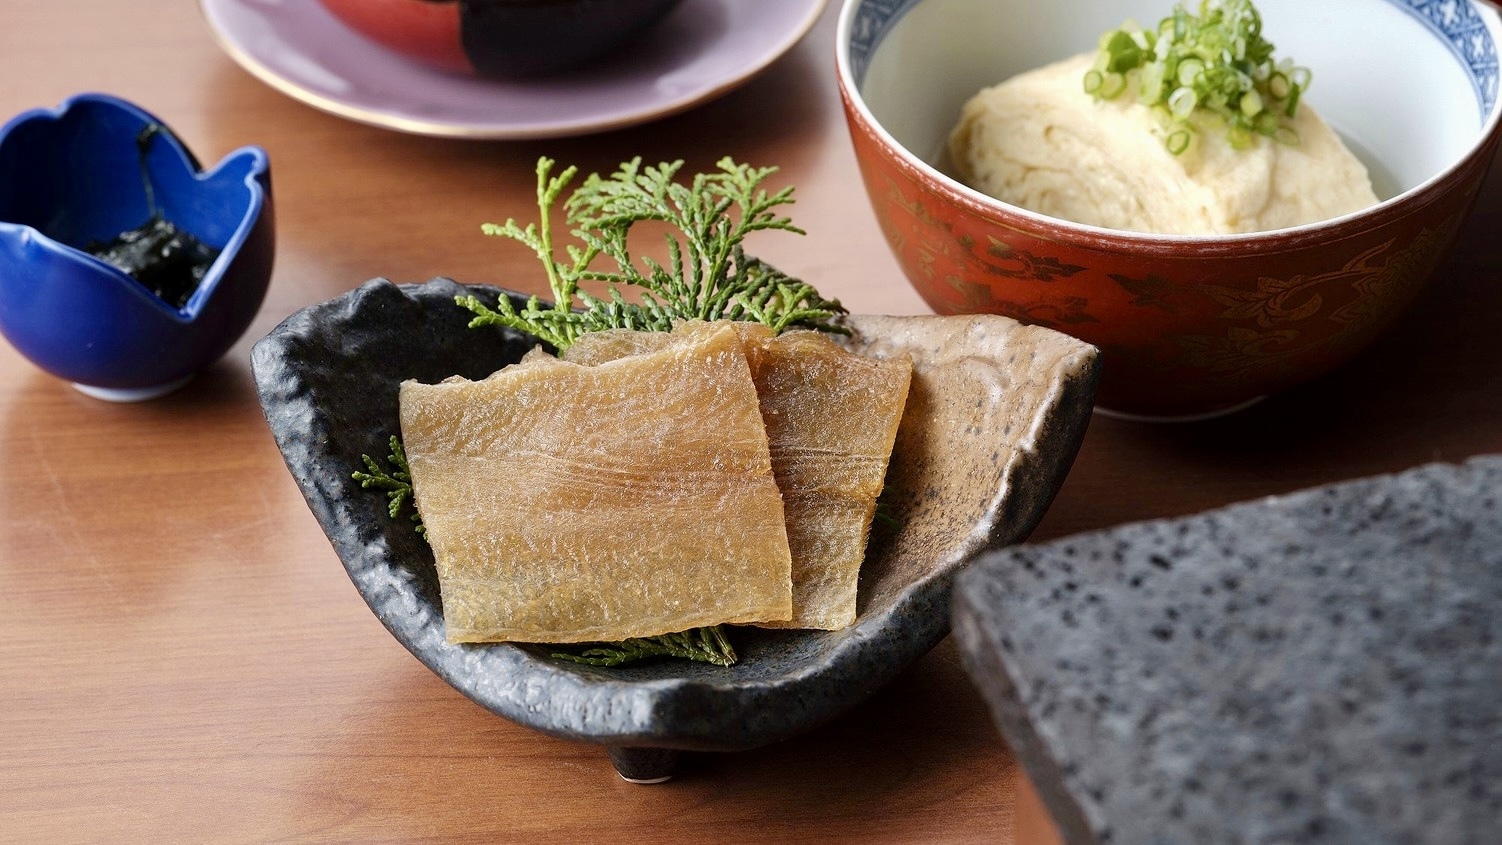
(73, 175)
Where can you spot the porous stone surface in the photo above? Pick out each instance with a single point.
(1321, 667)
(1001, 410)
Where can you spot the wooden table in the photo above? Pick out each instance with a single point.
(183, 659)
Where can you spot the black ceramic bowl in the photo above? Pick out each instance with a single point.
(993, 421)
(506, 39)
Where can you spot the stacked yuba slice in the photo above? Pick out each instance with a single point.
(652, 482)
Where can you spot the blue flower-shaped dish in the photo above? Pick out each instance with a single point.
(79, 175)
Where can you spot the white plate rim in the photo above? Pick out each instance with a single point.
(711, 88)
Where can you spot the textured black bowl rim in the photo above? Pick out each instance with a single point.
(786, 682)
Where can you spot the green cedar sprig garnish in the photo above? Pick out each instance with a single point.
(708, 275)
(397, 483)
(706, 645)
(1214, 63)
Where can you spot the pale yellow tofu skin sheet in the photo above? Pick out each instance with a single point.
(831, 418)
(570, 503)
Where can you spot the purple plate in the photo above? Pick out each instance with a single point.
(702, 50)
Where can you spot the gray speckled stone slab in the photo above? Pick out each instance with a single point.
(996, 414)
(1321, 667)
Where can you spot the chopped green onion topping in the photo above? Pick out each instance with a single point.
(1181, 103)
(1105, 85)
(1213, 63)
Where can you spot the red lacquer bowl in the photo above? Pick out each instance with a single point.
(501, 38)
(1187, 326)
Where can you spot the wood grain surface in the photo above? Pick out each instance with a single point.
(182, 658)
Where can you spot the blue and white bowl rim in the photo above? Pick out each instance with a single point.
(1458, 23)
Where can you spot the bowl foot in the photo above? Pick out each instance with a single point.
(131, 394)
(644, 765)
(1198, 416)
